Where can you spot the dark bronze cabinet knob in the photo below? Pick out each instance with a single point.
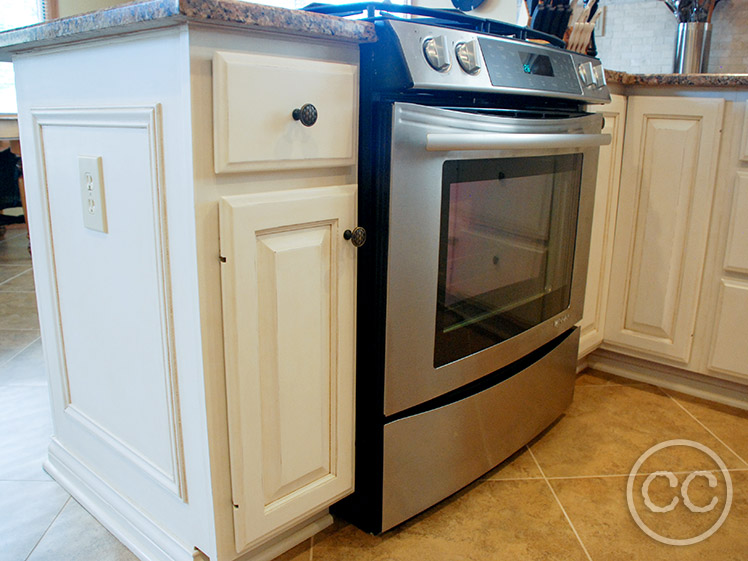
(307, 114)
(357, 236)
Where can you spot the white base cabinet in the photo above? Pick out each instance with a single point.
(677, 298)
(202, 409)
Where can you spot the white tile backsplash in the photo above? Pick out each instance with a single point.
(640, 37)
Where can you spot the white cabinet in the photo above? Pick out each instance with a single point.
(289, 322)
(665, 202)
(202, 409)
(254, 96)
(603, 226)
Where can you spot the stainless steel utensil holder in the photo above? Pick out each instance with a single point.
(692, 48)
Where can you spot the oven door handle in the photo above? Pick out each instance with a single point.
(442, 142)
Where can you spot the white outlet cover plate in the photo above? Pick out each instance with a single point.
(93, 202)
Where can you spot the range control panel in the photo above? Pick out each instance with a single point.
(452, 59)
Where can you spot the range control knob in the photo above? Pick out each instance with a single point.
(586, 74)
(467, 56)
(436, 53)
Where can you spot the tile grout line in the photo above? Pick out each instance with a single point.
(18, 275)
(738, 456)
(20, 351)
(558, 501)
(45, 532)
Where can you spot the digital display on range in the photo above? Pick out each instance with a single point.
(539, 65)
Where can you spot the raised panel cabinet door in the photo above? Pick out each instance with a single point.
(729, 349)
(603, 226)
(288, 281)
(667, 183)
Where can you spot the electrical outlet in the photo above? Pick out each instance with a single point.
(92, 192)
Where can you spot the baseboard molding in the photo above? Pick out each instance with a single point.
(289, 540)
(670, 377)
(146, 540)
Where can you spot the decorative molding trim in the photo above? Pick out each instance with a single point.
(737, 221)
(672, 378)
(147, 118)
(130, 525)
(744, 143)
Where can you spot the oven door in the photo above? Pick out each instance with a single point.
(488, 242)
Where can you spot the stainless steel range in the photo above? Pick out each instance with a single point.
(476, 181)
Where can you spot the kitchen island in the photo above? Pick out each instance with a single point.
(196, 296)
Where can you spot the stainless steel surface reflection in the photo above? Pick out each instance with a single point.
(429, 456)
(414, 232)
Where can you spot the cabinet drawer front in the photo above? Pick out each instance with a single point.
(254, 97)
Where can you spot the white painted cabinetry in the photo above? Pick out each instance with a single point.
(603, 226)
(665, 202)
(289, 325)
(201, 348)
(678, 292)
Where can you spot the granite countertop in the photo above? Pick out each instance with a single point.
(149, 14)
(678, 80)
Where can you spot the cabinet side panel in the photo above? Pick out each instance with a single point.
(113, 288)
(603, 227)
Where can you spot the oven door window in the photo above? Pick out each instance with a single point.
(506, 249)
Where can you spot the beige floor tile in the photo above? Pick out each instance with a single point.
(14, 248)
(18, 310)
(13, 342)
(21, 282)
(520, 465)
(76, 536)
(598, 508)
(10, 271)
(27, 508)
(25, 432)
(607, 428)
(729, 424)
(517, 520)
(26, 368)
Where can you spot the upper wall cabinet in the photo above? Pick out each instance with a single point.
(273, 112)
(667, 183)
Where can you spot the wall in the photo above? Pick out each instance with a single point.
(640, 37)
(72, 7)
(502, 10)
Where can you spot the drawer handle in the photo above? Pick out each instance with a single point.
(357, 237)
(307, 114)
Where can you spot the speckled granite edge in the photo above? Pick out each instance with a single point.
(159, 13)
(679, 80)
(279, 19)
